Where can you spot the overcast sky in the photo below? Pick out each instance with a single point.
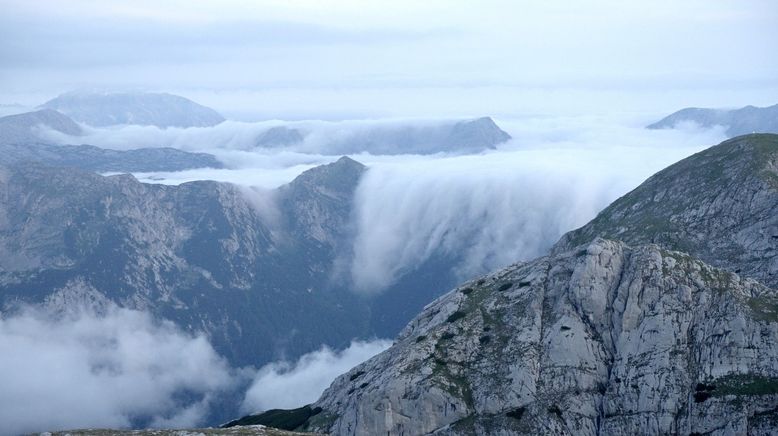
(356, 59)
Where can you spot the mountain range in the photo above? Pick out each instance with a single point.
(748, 119)
(658, 317)
(163, 110)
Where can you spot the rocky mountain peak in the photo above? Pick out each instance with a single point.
(719, 205)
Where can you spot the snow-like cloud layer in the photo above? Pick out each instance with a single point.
(489, 209)
(118, 368)
(115, 369)
(294, 384)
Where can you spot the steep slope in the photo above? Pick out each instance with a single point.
(741, 121)
(604, 339)
(204, 254)
(142, 108)
(720, 205)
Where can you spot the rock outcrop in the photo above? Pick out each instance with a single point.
(604, 339)
(720, 205)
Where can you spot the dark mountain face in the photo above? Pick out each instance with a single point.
(201, 254)
(741, 121)
(21, 142)
(601, 337)
(264, 282)
(145, 109)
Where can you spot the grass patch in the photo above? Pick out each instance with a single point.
(278, 418)
(456, 316)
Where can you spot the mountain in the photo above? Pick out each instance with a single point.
(749, 119)
(209, 256)
(604, 339)
(601, 336)
(718, 205)
(91, 158)
(25, 128)
(141, 108)
(21, 142)
(467, 136)
(460, 136)
(279, 136)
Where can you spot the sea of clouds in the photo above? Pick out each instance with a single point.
(122, 367)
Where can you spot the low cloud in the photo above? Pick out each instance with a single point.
(116, 370)
(496, 208)
(489, 209)
(288, 385)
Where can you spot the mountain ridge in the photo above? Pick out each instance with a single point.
(748, 119)
(600, 336)
(163, 110)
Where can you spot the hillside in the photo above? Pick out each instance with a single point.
(748, 119)
(142, 108)
(601, 337)
(718, 205)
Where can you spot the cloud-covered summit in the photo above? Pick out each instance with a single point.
(141, 108)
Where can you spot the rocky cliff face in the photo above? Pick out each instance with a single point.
(720, 205)
(604, 339)
(203, 254)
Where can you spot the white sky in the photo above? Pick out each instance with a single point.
(356, 59)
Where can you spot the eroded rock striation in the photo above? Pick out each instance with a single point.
(604, 339)
(658, 317)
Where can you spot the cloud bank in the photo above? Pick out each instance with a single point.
(120, 368)
(117, 370)
(487, 209)
(493, 209)
(289, 385)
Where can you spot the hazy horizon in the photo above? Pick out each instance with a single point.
(350, 60)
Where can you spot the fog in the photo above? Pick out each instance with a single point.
(294, 384)
(497, 208)
(119, 368)
(573, 83)
(489, 209)
(116, 369)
